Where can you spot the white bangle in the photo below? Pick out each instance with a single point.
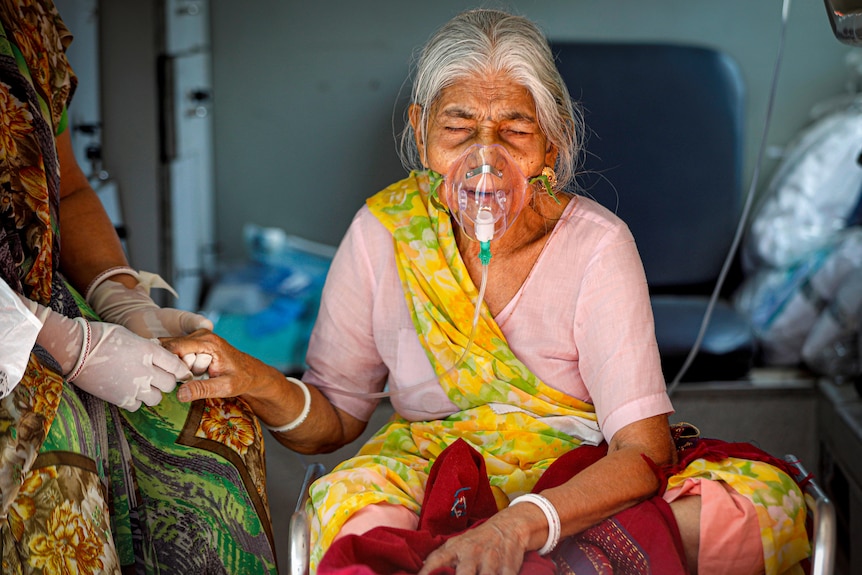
(551, 515)
(85, 349)
(305, 410)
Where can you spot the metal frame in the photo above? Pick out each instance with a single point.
(298, 546)
(825, 525)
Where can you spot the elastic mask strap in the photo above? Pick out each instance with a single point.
(546, 183)
(435, 180)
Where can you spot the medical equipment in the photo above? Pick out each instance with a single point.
(485, 192)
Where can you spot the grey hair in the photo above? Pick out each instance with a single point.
(490, 41)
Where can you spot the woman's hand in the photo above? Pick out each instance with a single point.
(272, 398)
(231, 372)
(496, 547)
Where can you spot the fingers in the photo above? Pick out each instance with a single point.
(435, 560)
(170, 363)
(205, 352)
(231, 372)
(479, 551)
(197, 342)
(131, 405)
(198, 362)
(191, 322)
(204, 388)
(164, 384)
(151, 397)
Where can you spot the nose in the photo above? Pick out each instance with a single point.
(488, 136)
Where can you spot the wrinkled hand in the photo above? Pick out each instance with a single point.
(495, 547)
(231, 373)
(137, 312)
(108, 360)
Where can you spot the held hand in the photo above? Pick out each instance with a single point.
(107, 360)
(137, 312)
(231, 373)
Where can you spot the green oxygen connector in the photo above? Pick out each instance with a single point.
(485, 233)
(485, 252)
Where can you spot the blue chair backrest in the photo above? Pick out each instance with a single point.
(664, 150)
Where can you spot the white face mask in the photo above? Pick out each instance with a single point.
(485, 191)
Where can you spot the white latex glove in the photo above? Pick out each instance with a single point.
(136, 311)
(108, 360)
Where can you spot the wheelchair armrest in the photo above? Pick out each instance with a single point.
(299, 533)
(822, 510)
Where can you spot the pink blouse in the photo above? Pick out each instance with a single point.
(582, 322)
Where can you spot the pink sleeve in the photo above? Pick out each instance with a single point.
(342, 353)
(618, 353)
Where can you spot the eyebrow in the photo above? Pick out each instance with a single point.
(464, 113)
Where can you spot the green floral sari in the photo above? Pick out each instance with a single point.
(86, 487)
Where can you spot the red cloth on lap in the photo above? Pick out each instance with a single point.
(458, 496)
(643, 539)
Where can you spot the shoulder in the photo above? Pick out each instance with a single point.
(368, 226)
(35, 28)
(367, 244)
(589, 223)
(589, 210)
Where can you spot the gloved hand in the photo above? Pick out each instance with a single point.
(108, 360)
(136, 311)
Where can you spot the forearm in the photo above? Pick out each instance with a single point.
(614, 483)
(620, 480)
(324, 429)
(90, 243)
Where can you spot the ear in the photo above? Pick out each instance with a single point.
(414, 113)
(551, 155)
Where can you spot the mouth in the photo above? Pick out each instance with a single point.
(480, 197)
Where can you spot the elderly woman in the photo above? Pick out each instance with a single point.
(560, 354)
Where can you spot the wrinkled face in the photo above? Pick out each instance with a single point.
(482, 110)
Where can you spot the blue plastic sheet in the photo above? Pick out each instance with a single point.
(267, 305)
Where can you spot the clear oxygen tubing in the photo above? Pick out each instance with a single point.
(740, 229)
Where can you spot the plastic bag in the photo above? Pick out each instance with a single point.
(811, 195)
(18, 331)
(785, 304)
(833, 347)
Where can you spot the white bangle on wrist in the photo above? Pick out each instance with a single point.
(85, 349)
(305, 410)
(554, 527)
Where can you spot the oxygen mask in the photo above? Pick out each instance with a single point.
(485, 191)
